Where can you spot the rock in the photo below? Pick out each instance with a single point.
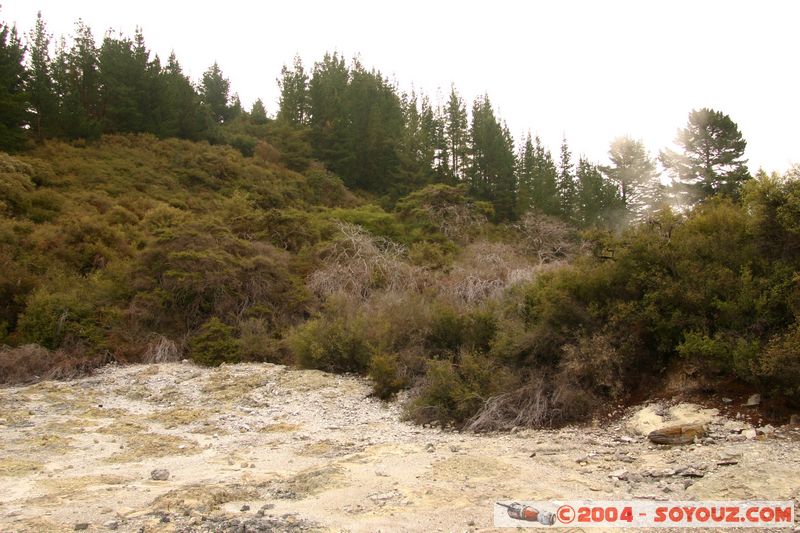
(112, 525)
(767, 430)
(244, 508)
(680, 434)
(691, 472)
(159, 474)
(81, 526)
(753, 400)
(621, 474)
(454, 448)
(750, 434)
(737, 438)
(727, 400)
(794, 420)
(430, 448)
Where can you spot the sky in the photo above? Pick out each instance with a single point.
(585, 70)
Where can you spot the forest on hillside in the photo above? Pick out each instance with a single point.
(147, 217)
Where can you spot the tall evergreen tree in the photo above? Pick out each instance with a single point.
(43, 100)
(294, 98)
(76, 81)
(456, 135)
(181, 114)
(635, 175)
(375, 129)
(545, 181)
(491, 151)
(13, 98)
(526, 170)
(215, 93)
(328, 114)
(599, 201)
(712, 159)
(567, 187)
(125, 84)
(258, 113)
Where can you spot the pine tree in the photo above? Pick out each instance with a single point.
(599, 202)
(215, 93)
(545, 181)
(567, 188)
(712, 158)
(635, 175)
(181, 112)
(76, 82)
(456, 135)
(491, 172)
(375, 128)
(258, 113)
(294, 98)
(328, 115)
(13, 98)
(526, 170)
(44, 103)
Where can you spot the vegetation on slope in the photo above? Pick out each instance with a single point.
(500, 287)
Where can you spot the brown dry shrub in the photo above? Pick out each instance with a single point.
(160, 349)
(31, 362)
(546, 238)
(542, 402)
(359, 263)
(484, 270)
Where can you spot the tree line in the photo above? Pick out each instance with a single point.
(354, 120)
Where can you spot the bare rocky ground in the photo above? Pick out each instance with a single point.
(260, 447)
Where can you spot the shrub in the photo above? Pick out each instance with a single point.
(214, 344)
(32, 362)
(779, 364)
(455, 392)
(334, 344)
(257, 338)
(386, 376)
(594, 364)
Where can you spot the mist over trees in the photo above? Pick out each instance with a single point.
(356, 122)
(355, 227)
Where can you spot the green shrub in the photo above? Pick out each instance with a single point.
(454, 393)
(386, 376)
(334, 344)
(447, 330)
(214, 344)
(779, 364)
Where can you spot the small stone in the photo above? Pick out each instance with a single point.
(737, 438)
(267, 506)
(750, 434)
(471, 523)
(794, 420)
(81, 526)
(753, 400)
(184, 361)
(165, 519)
(687, 483)
(244, 508)
(454, 448)
(620, 474)
(159, 474)
(727, 400)
(111, 524)
(430, 448)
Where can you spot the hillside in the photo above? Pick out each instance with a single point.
(134, 249)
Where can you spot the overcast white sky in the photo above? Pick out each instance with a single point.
(590, 70)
